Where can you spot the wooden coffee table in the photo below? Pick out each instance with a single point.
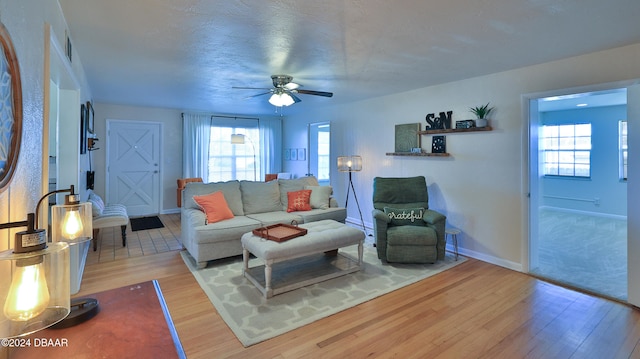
(133, 322)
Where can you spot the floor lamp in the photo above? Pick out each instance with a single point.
(238, 139)
(351, 164)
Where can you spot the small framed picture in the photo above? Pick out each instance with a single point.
(90, 114)
(83, 128)
(287, 154)
(302, 154)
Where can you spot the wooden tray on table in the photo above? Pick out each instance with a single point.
(280, 232)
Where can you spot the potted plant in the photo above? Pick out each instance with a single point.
(481, 113)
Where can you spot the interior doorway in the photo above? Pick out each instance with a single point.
(319, 151)
(578, 190)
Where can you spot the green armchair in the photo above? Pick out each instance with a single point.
(405, 229)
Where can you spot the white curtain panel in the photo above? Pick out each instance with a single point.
(271, 143)
(196, 131)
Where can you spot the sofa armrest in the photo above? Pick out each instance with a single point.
(194, 217)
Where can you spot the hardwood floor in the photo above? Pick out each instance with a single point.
(475, 310)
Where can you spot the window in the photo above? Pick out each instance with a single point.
(320, 151)
(229, 161)
(323, 155)
(567, 150)
(622, 148)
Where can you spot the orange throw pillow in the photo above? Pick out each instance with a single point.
(299, 200)
(214, 206)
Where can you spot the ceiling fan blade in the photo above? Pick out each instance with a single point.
(316, 93)
(295, 98)
(250, 88)
(260, 94)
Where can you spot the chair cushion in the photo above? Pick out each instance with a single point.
(97, 204)
(112, 215)
(214, 206)
(405, 216)
(409, 192)
(411, 236)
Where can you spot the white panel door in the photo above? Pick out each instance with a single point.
(133, 166)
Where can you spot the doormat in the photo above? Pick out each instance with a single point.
(142, 223)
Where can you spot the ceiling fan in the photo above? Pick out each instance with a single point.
(284, 91)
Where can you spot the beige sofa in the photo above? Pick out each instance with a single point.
(254, 204)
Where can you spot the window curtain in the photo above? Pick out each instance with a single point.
(271, 145)
(196, 131)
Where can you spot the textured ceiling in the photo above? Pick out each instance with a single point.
(187, 54)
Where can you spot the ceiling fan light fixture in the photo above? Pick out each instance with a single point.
(281, 98)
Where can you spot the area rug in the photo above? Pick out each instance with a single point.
(142, 223)
(253, 318)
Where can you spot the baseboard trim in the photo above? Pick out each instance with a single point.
(585, 213)
(487, 258)
(170, 211)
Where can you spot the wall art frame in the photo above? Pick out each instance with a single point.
(90, 114)
(302, 154)
(83, 129)
(11, 111)
(407, 137)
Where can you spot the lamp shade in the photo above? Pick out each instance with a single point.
(34, 289)
(349, 163)
(281, 98)
(72, 223)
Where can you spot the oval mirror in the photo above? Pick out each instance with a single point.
(10, 109)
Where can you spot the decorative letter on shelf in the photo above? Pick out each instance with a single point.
(439, 123)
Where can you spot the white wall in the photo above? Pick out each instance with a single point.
(25, 20)
(481, 187)
(171, 168)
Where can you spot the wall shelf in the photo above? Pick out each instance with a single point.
(455, 130)
(435, 132)
(423, 154)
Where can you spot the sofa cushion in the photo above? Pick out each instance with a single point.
(260, 197)
(231, 190)
(292, 185)
(299, 200)
(269, 218)
(336, 213)
(229, 230)
(320, 196)
(214, 206)
(405, 216)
